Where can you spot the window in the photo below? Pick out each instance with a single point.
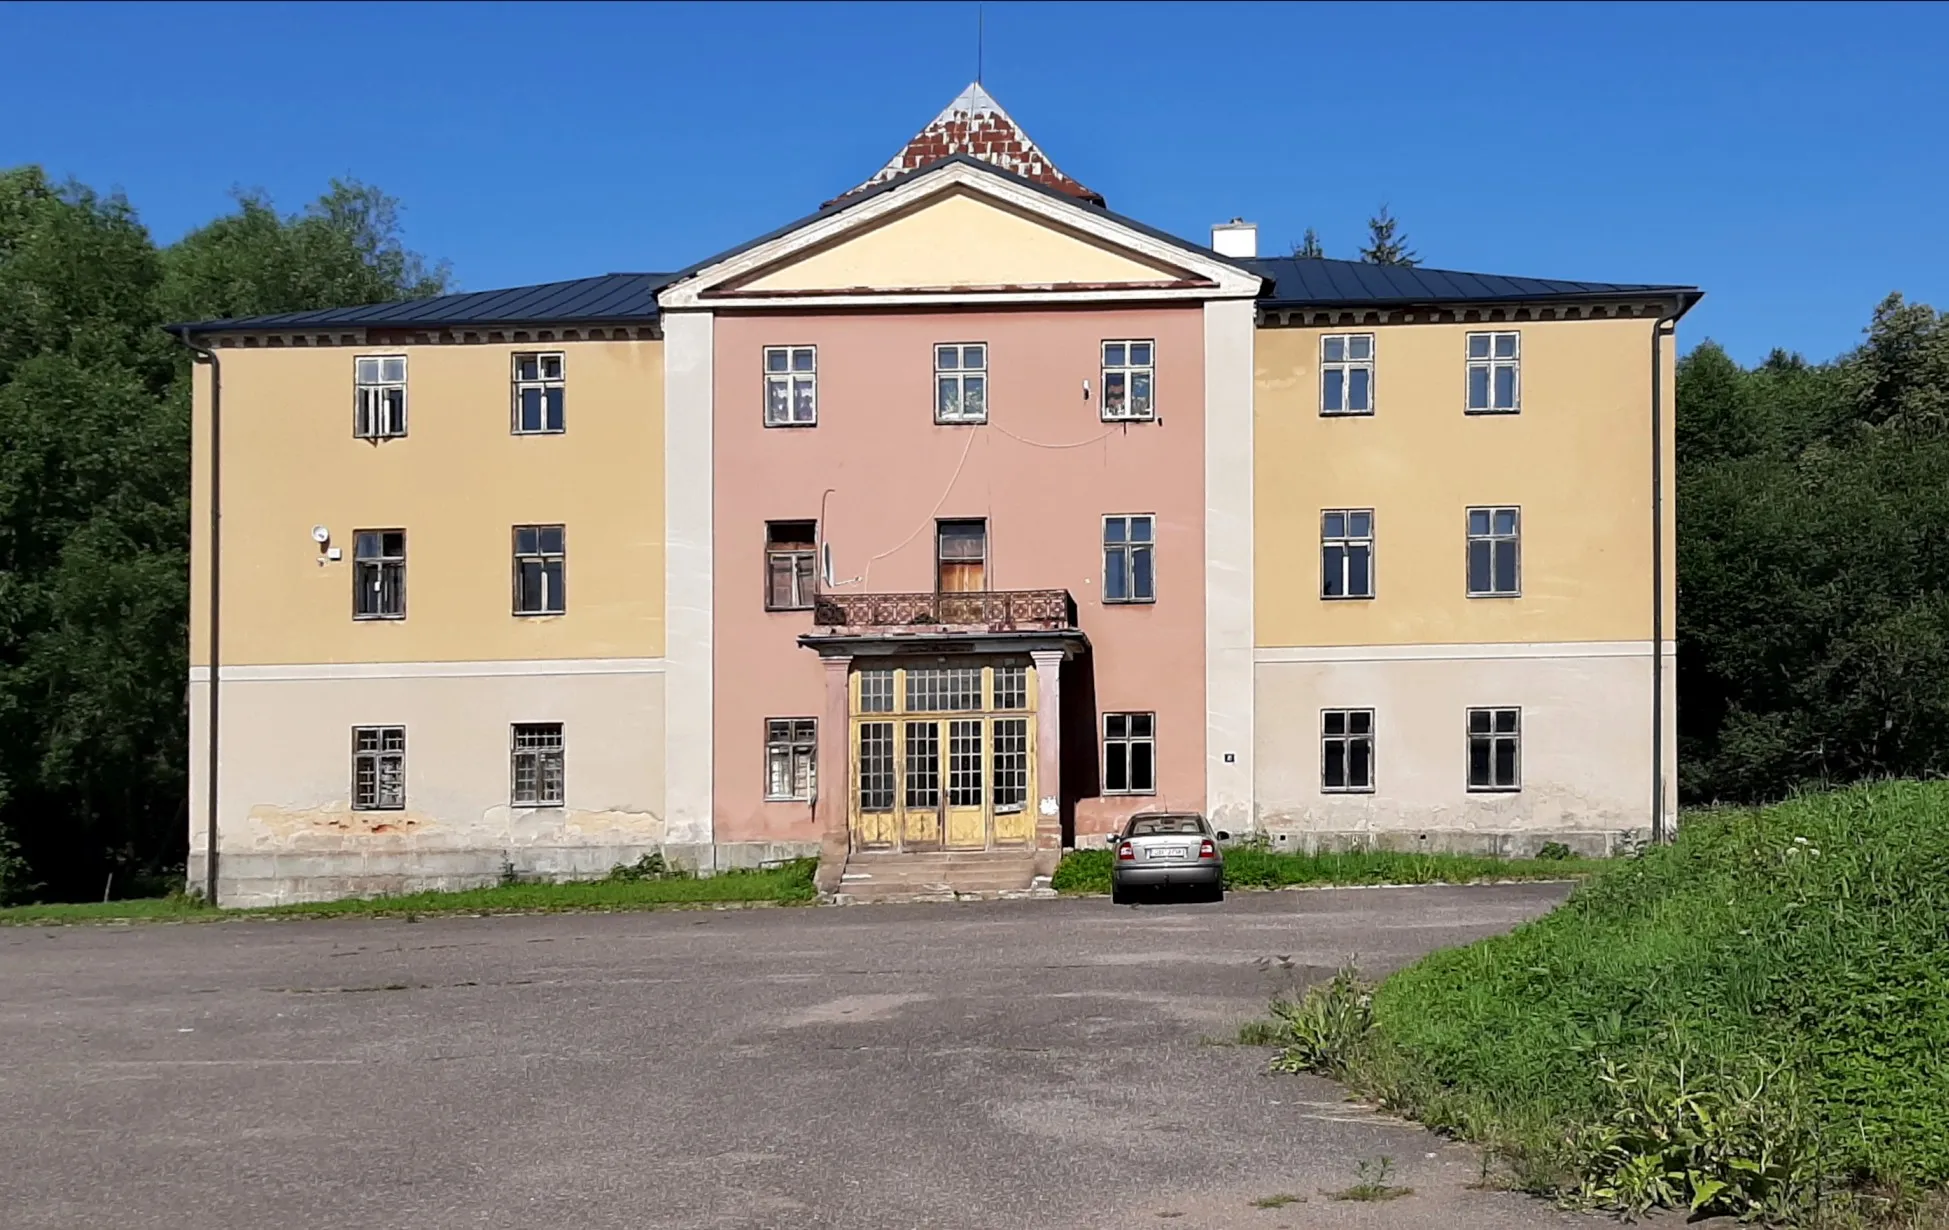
(1495, 552)
(381, 404)
(790, 555)
(379, 574)
(791, 751)
(961, 383)
(876, 765)
(539, 392)
(944, 689)
(539, 780)
(1347, 373)
(1347, 553)
(876, 690)
(923, 765)
(1347, 750)
(1129, 571)
(1011, 763)
(1129, 753)
(538, 561)
(964, 778)
(791, 386)
(378, 768)
(1495, 749)
(1127, 373)
(1495, 373)
(1011, 687)
(961, 557)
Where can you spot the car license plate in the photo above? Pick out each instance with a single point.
(1168, 852)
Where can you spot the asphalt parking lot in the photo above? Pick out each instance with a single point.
(1011, 1063)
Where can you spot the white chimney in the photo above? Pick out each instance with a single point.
(1235, 238)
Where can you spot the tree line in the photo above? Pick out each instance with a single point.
(1813, 526)
(94, 499)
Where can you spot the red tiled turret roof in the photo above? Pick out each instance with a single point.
(975, 124)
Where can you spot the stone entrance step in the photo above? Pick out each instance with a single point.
(944, 876)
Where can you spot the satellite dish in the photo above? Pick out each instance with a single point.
(320, 535)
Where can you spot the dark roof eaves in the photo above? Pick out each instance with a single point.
(1688, 295)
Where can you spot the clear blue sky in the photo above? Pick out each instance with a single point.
(1788, 158)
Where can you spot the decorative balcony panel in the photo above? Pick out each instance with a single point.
(1009, 610)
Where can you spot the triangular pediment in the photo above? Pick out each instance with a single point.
(959, 231)
(962, 241)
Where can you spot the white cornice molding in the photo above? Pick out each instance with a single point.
(1222, 280)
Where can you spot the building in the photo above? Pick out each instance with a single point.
(962, 514)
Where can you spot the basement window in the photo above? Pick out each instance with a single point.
(538, 765)
(1495, 749)
(791, 752)
(378, 768)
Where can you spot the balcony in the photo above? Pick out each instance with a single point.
(988, 611)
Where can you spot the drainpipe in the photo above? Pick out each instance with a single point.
(202, 354)
(1659, 331)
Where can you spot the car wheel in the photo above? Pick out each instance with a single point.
(1119, 895)
(1215, 893)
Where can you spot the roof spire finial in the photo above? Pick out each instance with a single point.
(981, 38)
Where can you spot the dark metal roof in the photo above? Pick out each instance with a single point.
(610, 298)
(624, 297)
(1295, 282)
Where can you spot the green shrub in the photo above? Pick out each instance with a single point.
(1082, 871)
(1253, 864)
(1323, 1029)
(1737, 1020)
(1554, 851)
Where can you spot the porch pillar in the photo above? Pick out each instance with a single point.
(1048, 759)
(830, 810)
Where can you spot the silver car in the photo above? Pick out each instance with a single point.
(1166, 850)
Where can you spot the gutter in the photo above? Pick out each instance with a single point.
(202, 354)
(1661, 328)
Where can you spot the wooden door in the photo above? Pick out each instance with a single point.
(921, 785)
(875, 787)
(967, 784)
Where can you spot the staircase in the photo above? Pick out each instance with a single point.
(946, 876)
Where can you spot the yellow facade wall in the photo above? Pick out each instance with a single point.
(961, 240)
(1577, 460)
(457, 483)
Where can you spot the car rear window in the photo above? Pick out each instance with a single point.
(1165, 826)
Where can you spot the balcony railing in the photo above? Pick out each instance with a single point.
(1009, 610)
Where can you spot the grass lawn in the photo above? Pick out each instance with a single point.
(791, 883)
(1088, 871)
(1753, 1021)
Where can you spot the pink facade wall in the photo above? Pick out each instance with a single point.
(886, 471)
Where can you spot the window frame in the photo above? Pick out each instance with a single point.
(1470, 538)
(540, 755)
(1129, 371)
(542, 383)
(1343, 366)
(806, 554)
(379, 562)
(1346, 541)
(1493, 736)
(1491, 363)
(1127, 741)
(788, 377)
(361, 430)
(795, 746)
(1127, 548)
(1346, 738)
(940, 560)
(561, 589)
(378, 755)
(958, 376)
